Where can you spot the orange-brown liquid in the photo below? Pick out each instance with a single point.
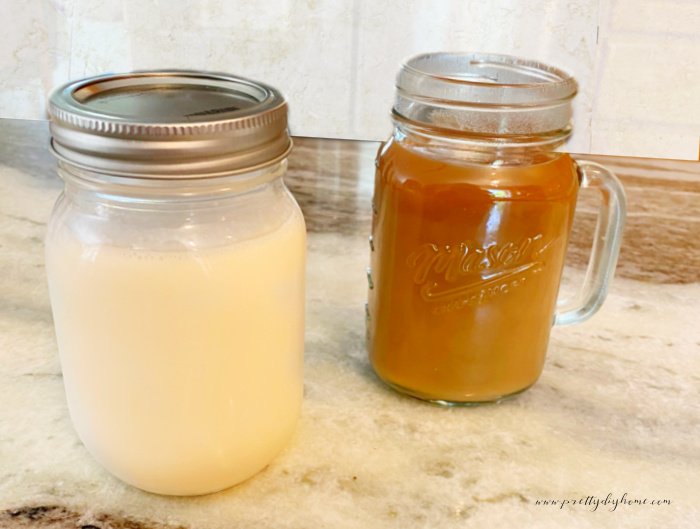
(466, 264)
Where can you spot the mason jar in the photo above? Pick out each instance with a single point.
(175, 259)
(472, 210)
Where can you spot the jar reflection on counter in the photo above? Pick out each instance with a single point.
(178, 300)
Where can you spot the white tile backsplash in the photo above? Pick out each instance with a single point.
(647, 89)
(678, 17)
(637, 61)
(35, 40)
(637, 80)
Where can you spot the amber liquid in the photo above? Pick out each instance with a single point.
(465, 270)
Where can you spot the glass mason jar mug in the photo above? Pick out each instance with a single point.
(472, 211)
(175, 259)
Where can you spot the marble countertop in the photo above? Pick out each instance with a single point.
(616, 411)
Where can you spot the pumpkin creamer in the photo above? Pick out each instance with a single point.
(472, 211)
(466, 270)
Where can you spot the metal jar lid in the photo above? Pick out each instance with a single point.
(169, 124)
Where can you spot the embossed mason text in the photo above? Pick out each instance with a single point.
(450, 270)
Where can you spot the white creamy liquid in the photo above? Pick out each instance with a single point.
(183, 370)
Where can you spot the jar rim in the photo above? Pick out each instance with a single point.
(525, 67)
(484, 93)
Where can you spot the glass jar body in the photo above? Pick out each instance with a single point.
(468, 246)
(179, 314)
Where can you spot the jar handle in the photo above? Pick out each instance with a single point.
(606, 245)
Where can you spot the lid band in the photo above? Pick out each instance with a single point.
(169, 124)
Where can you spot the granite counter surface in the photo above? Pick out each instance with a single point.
(616, 411)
